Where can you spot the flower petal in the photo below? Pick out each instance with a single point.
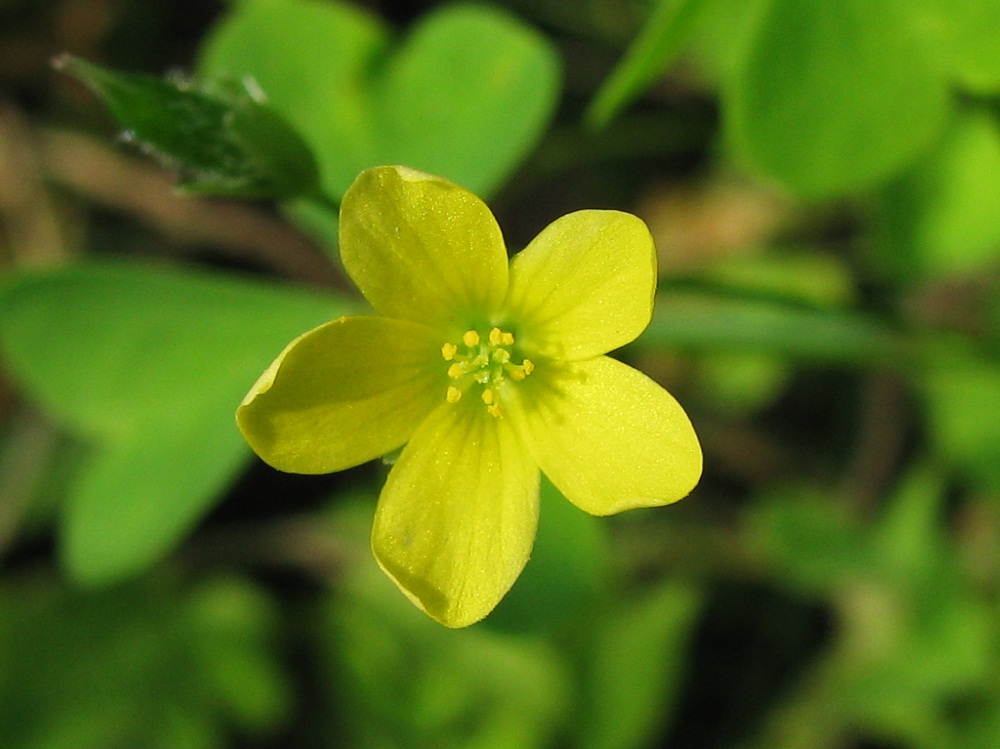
(584, 286)
(611, 439)
(421, 248)
(343, 393)
(458, 514)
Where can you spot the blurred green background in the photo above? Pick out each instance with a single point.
(823, 184)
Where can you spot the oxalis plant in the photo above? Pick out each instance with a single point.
(782, 212)
(457, 518)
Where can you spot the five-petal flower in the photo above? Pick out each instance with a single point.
(487, 373)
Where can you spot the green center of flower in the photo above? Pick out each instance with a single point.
(485, 364)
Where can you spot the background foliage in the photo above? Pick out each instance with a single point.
(823, 183)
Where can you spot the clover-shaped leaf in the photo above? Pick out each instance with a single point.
(834, 97)
(145, 364)
(464, 95)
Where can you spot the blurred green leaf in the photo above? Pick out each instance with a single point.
(963, 33)
(722, 34)
(941, 216)
(908, 538)
(914, 633)
(741, 381)
(232, 625)
(148, 364)
(738, 382)
(909, 656)
(806, 276)
(652, 52)
(834, 97)
(465, 95)
(135, 666)
(962, 395)
(812, 542)
(634, 668)
(705, 321)
(230, 146)
(409, 683)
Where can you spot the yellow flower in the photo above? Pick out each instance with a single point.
(487, 373)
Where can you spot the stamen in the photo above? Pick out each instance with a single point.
(500, 338)
(519, 372)
(485, 363)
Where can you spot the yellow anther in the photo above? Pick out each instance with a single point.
(488, 397)
(500, 338)
(456, 370)
(470, 338)
(518, 373)
(495, 411)
(448, 351)
(454, 395)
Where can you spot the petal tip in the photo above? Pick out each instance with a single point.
(432, 601)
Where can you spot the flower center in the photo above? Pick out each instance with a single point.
(485, 364)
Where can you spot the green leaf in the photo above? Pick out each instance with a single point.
(635, 667)
(233, 626)
(937, 649)
(131, 666)
(149, 365)
(811, 541)
(738, 382)
(464, 96)
(803, 275)
(722, 34)
(941, 216)
(704, 321)
(909, 650)
(413, 684)
(909, 534)
(963, 35)
(834, 97)
(224, 145)
(652, 52)
(962, 395)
